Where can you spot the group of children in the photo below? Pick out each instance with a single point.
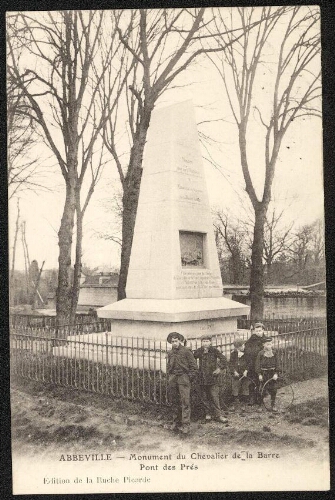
(252, 362)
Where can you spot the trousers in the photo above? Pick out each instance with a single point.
(240, 386)
(271, 387)
(210, 398)
(179, 391)
(253, 388)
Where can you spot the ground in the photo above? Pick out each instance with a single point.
(48, 421)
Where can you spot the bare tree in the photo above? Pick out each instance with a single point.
(113, 231)
(301, 248)
(276, 240)
(161, 44)
(12, 276)
(318, 242)
(22, 166)
(154, 66)
(26, 256)
(35, 282)
(235, 238)
(21, 131)
(295, 93)
(60, 78)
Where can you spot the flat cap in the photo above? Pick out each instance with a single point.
(175, 335)
(206, 336)
(259, 324)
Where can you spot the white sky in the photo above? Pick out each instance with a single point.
(298, 184)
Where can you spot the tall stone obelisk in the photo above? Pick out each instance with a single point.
(174, 280)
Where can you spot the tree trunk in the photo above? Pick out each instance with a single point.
(77, 264)
(131, 191)
(26, 266)
(64, 289)
(12, 289)
(269, 271)
(37, 283)
(236, 269)
(257, 268)
(130, 203)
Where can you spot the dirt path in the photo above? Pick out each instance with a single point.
(48, 421)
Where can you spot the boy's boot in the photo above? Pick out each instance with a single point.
(273, 406)
(184, 429)
(243, 402)
(234, 403)
(174, 426)
(222, 419)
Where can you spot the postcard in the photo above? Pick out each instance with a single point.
(166, 251)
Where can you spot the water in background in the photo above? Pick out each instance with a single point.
(290, 307)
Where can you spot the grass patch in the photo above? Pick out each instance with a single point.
(88, 399)
(310, 413)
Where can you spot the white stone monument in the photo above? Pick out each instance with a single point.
(174, 281)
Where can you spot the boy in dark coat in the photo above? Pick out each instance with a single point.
(238, 370)
(266, 367)
(211, 362)
(251, 349)
(181, 369)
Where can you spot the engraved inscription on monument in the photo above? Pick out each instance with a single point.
(196, 278)
(186, 165)
(189, 193)
(190, 189)
(191, 249)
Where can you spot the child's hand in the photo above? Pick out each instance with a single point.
(245, 373)
(275, 376)
(236, 374)
(217, 371)
(260, 378)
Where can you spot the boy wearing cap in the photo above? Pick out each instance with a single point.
(211, 362)
(238, 370)
(267, 368)
(251, 349)
(181, 369)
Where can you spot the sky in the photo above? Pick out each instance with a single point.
(298, 183)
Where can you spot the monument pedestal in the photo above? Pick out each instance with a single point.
(155, 318)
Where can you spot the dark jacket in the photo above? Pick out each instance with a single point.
(264, 362)
(180, 361)
(208, 362)
(236, 363)
(251, 348)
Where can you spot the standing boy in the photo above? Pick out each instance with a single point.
(267, 369)
(251, 349)
(211, 362)
(238, 370)
(181, 369)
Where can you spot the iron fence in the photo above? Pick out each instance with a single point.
(51, 329)
(132, 368)
(284, 324)
(135, 368)
(43, 321)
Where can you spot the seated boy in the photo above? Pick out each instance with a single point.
(238, 370)
(266, 367)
